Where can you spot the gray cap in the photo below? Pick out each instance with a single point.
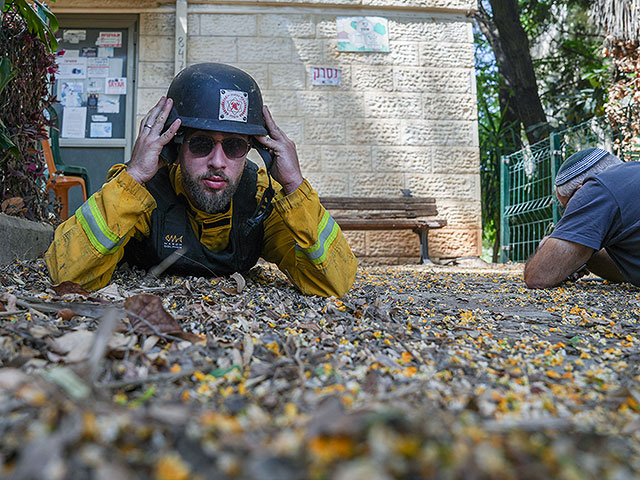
(578, 163)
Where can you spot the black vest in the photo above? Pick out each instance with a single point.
(171, 229)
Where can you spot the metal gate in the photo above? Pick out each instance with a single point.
(527, 203)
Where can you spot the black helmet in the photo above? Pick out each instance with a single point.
(217, 97)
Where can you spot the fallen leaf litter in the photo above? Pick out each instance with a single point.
(416, 372)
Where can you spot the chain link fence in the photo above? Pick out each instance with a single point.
(529, 210)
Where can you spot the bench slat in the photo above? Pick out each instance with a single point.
(353, 223)
(379, 203)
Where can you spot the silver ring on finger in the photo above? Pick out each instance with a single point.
(146, 125)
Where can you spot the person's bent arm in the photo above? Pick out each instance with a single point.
(307, 244)
(87, 247)
(602, 265)
(554, 261)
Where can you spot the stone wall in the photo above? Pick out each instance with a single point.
(400, 120)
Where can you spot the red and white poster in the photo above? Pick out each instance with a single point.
(109, 39)
(115, 86)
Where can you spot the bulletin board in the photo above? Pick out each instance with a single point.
(91, 83)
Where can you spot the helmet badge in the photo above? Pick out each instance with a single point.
(234, 105)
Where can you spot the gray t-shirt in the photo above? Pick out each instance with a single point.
(605, 213)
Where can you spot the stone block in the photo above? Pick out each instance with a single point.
(157, 24)
(431, 132)
(314, 103)
(147, 98)
(348, 105)
(329, 184)
(401, 53)
(346, 158)
(357, 241)
(376, 184)
(259, 72)
(193, 24)
(462, 5)
(456, 160)
(392, 243)
(372, 78)
(326, 26)
(446, 55)
(402, 159)
(226, 25)
(364, 260)
(393, 105)
(454, 242)
(157, 48)
(426, 80)
(23, 239)
(262, 50)
(292, 127)
(293, 26)
(155, 75)
(373, 132)
(460, 214)
(287, 77)
(423, 30)
(310, 158)
(447, 106)
(212, 49)
(324, 131)
(463, 187)
(308, 51)
(281, 106)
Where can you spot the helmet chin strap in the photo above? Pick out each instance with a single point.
(263, 210)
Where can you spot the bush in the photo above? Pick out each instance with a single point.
(27, 75)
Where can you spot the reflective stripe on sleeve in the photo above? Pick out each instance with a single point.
(327, 233)
(94, 225)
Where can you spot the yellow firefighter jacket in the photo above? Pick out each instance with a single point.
(299, 235)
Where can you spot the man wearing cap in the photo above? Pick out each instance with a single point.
(191, 200)
(600, 227)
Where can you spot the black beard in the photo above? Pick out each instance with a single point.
(206, 200)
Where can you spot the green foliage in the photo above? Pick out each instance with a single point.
(571, 71)
(43, 28)
(7, 72)
(497, 138)
(26, 73)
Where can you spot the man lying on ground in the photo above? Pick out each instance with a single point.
(190, 188)
(600, 228)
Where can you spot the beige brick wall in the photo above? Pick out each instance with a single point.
(400, 120)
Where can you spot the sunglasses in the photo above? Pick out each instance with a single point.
(233, 147)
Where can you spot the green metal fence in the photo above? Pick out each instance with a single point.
(528, 206)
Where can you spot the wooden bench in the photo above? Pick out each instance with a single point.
(380, 213)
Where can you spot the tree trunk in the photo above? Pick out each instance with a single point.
(511, 49)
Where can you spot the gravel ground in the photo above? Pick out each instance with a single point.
(418, 372)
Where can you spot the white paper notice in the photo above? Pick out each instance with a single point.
(74, 36)
(97, 67)
(70, 93)
(109, 39)
(74, 122)
(71, 67)
(101, 130)
(71, 53)
(98, 118)
(115, 86)
(105, 51)
(109, 104)
(325, 76)
(95, 85)
(115, 67)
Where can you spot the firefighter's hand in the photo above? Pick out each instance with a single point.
(145, 159)
(286, 168)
